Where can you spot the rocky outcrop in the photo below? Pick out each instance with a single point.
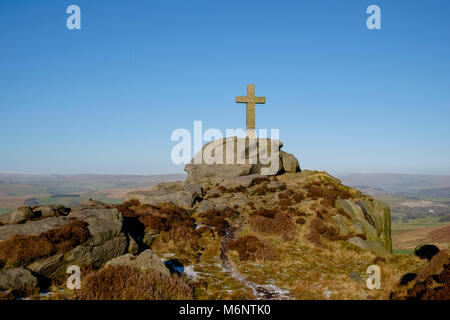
(212, 167)
(371, 218)
(106, 240)
(19, 215)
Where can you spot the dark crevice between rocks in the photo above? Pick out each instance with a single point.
(366, 214)
(44, 282)
(135, 229)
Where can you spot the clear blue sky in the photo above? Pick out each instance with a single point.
(106, 98)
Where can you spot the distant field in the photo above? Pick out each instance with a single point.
(17, 190)
(408, 236)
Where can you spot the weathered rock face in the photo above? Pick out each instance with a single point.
(147, 260)
(16, 277)
(290, 162)
(33, 227)
(178, 193)
(371, 218)
(44, 211)
(106, 241)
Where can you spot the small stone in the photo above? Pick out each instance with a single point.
(355, 276)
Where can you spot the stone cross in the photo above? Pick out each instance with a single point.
(250, 100)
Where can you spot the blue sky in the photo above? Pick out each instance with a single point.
(106, 98)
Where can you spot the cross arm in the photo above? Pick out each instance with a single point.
(241, 99)
(260, 100)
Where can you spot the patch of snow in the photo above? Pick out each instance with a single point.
(190, 272)
(168, 254)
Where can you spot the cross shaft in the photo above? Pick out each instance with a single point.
(250, 100)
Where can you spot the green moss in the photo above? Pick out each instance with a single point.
(404, 251)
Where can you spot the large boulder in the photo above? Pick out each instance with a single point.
(106, 240)
(182, 199)
(371, 218)
(290, 162)
(181, 194)
(234, 157)
(16, 277)
(19, 215)
(147, 260)
(103, 224)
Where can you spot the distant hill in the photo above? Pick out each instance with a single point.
(404, 184)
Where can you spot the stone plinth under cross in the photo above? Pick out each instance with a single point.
(251, 101)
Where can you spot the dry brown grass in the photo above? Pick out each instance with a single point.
(251, 248)
(262, 190)
(159, 218)
(126, 283)
(280, 225)
(125, 208)
(319, 230)
(268, 213)
(344, 213)
(286, 194)
(432, 282)
(440, 259)
(176, 226)
(298, 197)
(284, 203)
(259, 180)
(24, 249)
(20, 250)
(19, 292)
(218, 219)
(67, 237)
(328, 191)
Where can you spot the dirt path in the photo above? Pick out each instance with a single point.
(265, 292)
